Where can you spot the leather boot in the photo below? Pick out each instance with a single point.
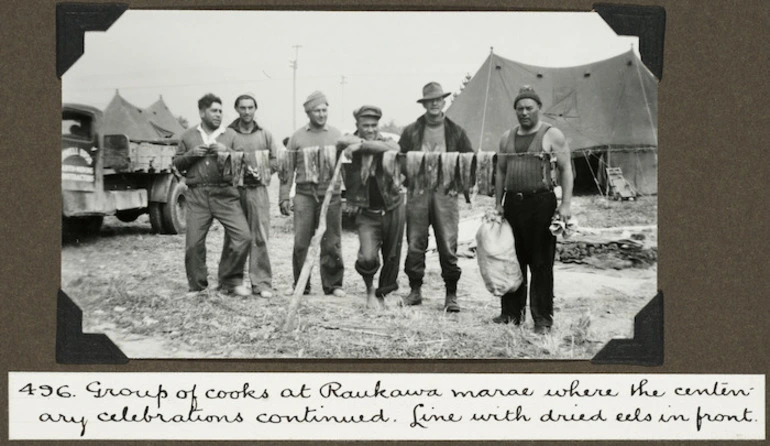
(450, 301)
(507, 314)
(414, 297)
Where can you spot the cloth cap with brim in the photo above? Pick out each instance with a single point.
(315, 99)
(431, 91)
(247, 95)
(527, 92)
(367, 111)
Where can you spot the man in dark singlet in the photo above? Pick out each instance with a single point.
(523, 178)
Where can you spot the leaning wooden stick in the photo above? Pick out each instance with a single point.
(312, 253)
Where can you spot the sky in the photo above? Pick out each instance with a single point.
(355, 58)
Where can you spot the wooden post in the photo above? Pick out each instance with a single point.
(312, 253)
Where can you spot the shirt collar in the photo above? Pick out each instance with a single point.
(308, 127)
(377, 137)
(234, 125)
(209, 138)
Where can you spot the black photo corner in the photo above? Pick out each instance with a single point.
(75, 347)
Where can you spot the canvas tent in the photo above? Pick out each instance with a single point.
(161, 117)
(607, 110)
(155, 123)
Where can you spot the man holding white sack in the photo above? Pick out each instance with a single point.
(523, 178)
(260, 155)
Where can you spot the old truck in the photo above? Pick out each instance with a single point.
(112, 175)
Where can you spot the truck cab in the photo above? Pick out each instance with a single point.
(110, 175)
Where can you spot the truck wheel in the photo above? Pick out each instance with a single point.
(73, 226)
(156, 219)
(129, 215)
(174, 211)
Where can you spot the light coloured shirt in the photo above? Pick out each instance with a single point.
(210, 138)
(433, 139)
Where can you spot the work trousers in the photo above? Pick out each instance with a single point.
(307, 212)
(256, 206)
(439, 210)
(530, 218)
(380, 231)
(205, 203)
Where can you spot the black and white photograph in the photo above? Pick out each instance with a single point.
(359, 185)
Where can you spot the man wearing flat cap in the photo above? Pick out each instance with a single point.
(524, 196)
(309, 195)
(433, 132)
(259, 147)
(372, 188)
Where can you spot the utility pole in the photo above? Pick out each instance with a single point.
(293, 65)
(342, 83)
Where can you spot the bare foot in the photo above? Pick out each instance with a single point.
(369, 297)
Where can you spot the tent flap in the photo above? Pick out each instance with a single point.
(608, 103)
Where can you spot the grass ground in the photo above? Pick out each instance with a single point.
(131, 285)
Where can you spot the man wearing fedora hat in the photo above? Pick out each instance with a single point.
(433, 132)
(373, 189)
(524, 196)
(245, 135)
(309, 196)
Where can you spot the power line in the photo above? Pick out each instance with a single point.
(247, 81)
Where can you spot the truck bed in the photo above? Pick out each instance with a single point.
(124, 156)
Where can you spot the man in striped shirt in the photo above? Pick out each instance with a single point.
(523, 176)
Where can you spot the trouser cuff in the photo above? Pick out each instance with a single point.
(383, 291)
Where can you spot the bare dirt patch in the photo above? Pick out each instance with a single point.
(131, 285)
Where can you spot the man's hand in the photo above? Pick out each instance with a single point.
(565, 211)
(351, 149)
(254, 173)
(200, 150)
(285, 207)
(217, 147)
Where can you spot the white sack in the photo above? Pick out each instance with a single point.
(496, 254)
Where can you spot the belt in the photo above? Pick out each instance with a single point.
(374, 211)
(208, 185)
(523, 195)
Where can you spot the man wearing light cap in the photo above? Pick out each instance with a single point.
(309, 195)
(433, 132)
(523, 178)
(373, 189)
(245, 135)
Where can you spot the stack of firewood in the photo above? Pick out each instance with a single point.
(613, 253)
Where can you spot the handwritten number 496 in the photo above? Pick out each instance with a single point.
(46, 390)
